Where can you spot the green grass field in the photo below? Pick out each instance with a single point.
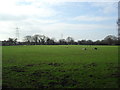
(56, 66)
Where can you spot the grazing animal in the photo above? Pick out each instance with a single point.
(95, 48)
(84, 48)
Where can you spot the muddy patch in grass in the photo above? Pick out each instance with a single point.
(115, 75)
(117, 67)
(5, 87)
(40, 64)
(30, 65)
(67, 80)
(54, 64)
(50, 80)
(91, 76)
(60, 70)
(40, 73)
(91, 65)
(17, 69)
(63, 81)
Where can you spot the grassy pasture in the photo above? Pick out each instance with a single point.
(60, 66)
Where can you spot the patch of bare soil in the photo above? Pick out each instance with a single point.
(18, 69)
(54, 64)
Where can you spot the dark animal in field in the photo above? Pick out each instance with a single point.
(84, 48)
(95, 48)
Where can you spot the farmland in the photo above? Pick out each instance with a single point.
(60, 66)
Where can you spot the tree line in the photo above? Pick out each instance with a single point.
(44, 40)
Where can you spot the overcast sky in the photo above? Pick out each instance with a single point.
(80, 20)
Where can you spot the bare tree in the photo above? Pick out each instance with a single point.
(62, 42)
(70, 40)
(28, 38)
(43, 39)
(110, 39)
(12, 41)
(36, 39)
